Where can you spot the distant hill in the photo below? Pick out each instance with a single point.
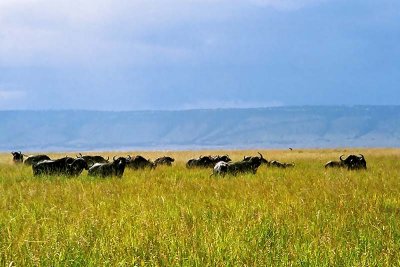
(278, 127)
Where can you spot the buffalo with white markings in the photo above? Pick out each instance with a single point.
(114, 168)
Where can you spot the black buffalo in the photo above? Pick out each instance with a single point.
(164, 161)
(354, 162)
(221, 168)
(334, 164)
(224, 158)
(204, 162)
(115, 168)
(250, 165)
(207, 161)
(139, 162)
(282, 165)
(76, 167)
(31, 160)
(263, 160)
(18, 157)
(52, 167)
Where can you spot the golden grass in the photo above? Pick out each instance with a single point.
(305, 216)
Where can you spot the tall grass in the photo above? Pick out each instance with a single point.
(305, 216)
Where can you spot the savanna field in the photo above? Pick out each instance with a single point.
(173, 216)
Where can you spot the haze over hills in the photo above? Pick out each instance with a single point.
(277, 127)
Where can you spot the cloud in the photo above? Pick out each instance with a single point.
(104, 32)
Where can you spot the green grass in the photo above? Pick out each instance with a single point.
(305, 216)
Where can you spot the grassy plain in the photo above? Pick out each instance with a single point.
(305, 216)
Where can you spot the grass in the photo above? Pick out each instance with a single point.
(305, 216)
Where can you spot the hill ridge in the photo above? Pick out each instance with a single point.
(271, 127)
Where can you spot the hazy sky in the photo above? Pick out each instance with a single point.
(179, 54)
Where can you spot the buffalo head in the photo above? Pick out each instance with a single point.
(18, 157)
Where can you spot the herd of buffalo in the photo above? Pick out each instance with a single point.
(102, 167)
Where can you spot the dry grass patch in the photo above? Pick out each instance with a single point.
(305, 216)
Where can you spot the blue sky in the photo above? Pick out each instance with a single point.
(173, 54)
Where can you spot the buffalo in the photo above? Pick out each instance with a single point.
(139, 162)
(207, 161)
(52, 167)
(164, 161)
(334, 164)
(115, 168)
(31, 160)
(263, 160)
(282, 165)
(354, 162)
(249, 165)
(221, 168)
(224, 158)
(76, 167)
(18, 157)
